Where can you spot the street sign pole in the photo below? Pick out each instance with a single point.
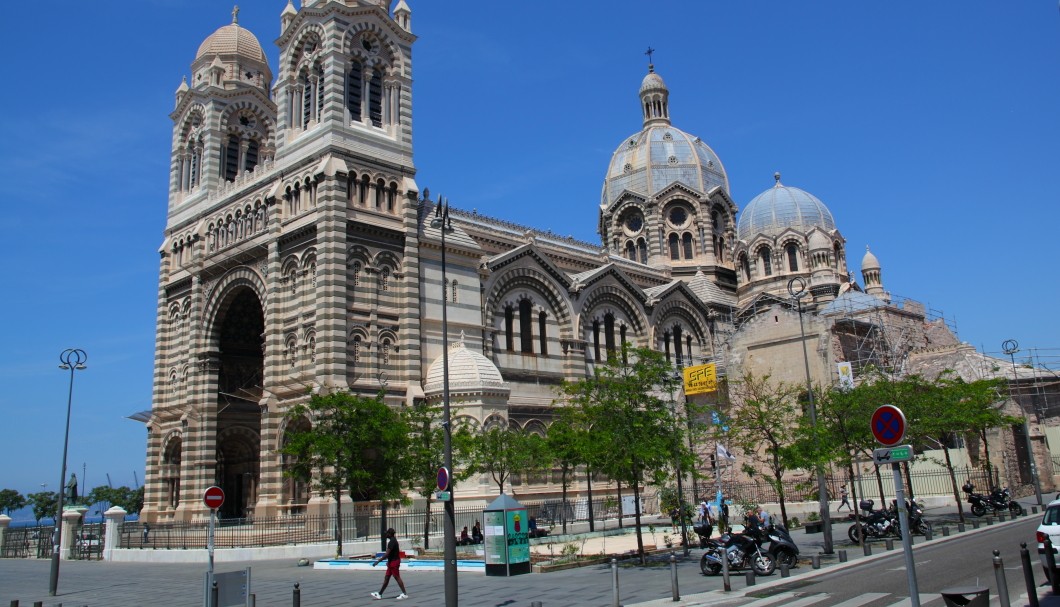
(907, 535)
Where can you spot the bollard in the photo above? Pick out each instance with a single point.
(1034, 509)
(1001, 517)
(1050, 565)
(842, 556)
(927, 534)
(989, 521)
(673, 577)
(975, 524)
(253, 600)
(1028, 575)
(726, 582)
(296, 598)
(750, 577)
(945, 532)
(14, 603)
(614, 583)
(213, 593)
(867, 549)
(960, 527)
(815, 561)
(784, 571)
(535, 604)
(1002, 583)
(889, 543)
(38, 604)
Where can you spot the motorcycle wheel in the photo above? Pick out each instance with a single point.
(852, 533)
(978, 509)
(925, 527)
(764, 565)
(708, 567)
(1015, 508)
(787, 557)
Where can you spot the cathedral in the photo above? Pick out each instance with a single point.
(300, 255)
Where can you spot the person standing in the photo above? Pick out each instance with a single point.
(393, 566)
(844, 497)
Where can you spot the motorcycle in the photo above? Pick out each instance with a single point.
(742, 552)
(704, 530)
(781, 547)
(999, 500)
(874, 523)
(917, 522)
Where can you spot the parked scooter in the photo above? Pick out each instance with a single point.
(999, 500)
(874, 523)
(781, 547)
(742, 552)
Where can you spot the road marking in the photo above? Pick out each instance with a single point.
(860, 600)
(769, 600)
(808, 600)
(907, 602)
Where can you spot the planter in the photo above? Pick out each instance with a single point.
(814, 527)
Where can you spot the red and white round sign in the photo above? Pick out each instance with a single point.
(214, 497)
(888, 425)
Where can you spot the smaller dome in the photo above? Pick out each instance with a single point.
(467, 370)
(781, 207)
(819, 242)
(232, 40)
(652, 82)
(869, 261)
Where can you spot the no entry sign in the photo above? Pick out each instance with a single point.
(443, 478)
(888, 425)
(214, 497)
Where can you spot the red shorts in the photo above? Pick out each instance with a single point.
(392, 567)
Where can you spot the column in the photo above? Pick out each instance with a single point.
(112, 531)
(70, 519)
(366, 102)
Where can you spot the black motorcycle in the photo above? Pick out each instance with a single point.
(999, 500)
(704, 530)
(917, 522)
(874, 523)
(742, 552)
(781, 547)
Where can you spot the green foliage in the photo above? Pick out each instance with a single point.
(499, 452)
(44, 503)
(11, 500)
(354, 444)
(426, 453)
(129, 500)
(633, 434)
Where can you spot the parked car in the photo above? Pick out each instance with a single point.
(1049, 528)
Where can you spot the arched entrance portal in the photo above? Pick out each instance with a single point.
(242, 363)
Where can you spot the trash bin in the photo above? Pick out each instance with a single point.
(966, 596)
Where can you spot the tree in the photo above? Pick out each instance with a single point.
(11, 500)
(129, 500)
(567, 446)
(425, 454)
(354, 444)
(631, 424)
(44, 503)
(498, 452)
(763, 423)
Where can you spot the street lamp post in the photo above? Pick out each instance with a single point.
(677, 464)
(797, 290)
(441, 219)
(1010, 347)
(72, 359)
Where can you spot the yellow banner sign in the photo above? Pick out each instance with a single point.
(701, 379)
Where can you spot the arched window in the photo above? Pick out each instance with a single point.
(688, 347)
(375, 99)
(354, 90)
(675, 251)
(380, 193)
(362, 194)
(642, 248)
(384, 353)
(542, 334)
(526, 338)
(631, 251)
(509, 321)
(251, 159)
(678, 353)
(230, 161)
(307, 100)
(838, 254)
(384, 280)
(765, 257)
(356, 350)
(453, 287)
(391, 195)
(686, 242)
(622, 341)
(666, 345)
(596, 339)
(609, 333)
(746, 265)
(793, 257)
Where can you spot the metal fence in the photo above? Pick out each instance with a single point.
(362, 523)
(27, 542)
(925, 484)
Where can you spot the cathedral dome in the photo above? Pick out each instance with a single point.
(782, 207)
(869, 261)
(660, 154)
(232, 40)
(468, 370)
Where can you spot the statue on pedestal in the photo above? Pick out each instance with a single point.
(70, 494)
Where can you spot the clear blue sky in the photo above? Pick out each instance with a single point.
(929, 128)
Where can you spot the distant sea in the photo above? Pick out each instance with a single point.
(24, 517)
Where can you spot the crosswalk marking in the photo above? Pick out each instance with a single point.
(862, 599)
(808, 600)
(908, 602)
(769, 600)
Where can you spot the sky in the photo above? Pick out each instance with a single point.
(929, 129)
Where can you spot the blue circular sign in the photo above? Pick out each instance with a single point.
(888, 425)
(443, 479)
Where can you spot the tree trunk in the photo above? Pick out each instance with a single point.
(908, 481)
(589, 492)
(953, 482)
(989, 468)
(636, 517)
(382, 525)
(857, 500)
(879, 483)
(338, 522)
(619, 491)
(563, 515)
(427, 525)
